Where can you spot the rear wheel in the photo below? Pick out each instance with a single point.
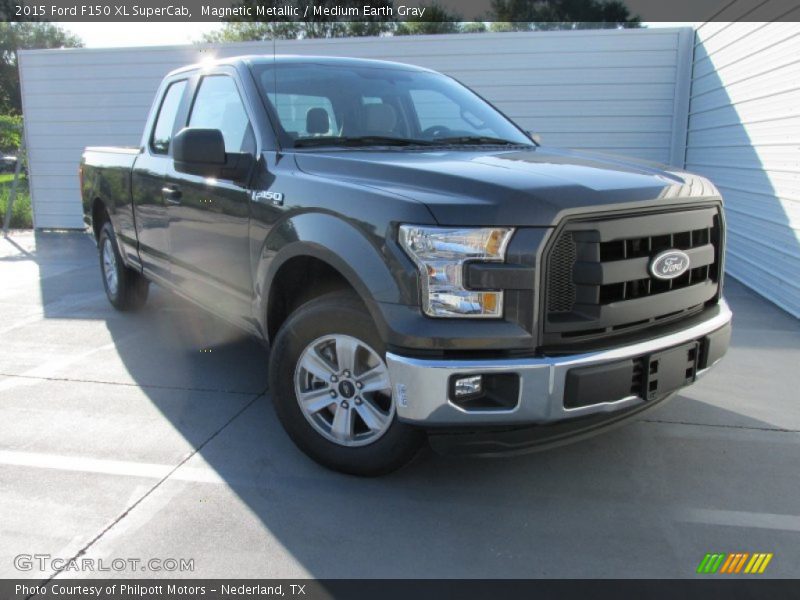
(331, 389)
(126, 289)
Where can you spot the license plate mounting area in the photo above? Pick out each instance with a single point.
(670, 370)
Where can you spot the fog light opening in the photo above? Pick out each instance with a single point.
(484, 391)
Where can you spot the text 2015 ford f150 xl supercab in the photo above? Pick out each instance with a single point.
(418, 264)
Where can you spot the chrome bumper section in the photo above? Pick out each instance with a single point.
(421, 385)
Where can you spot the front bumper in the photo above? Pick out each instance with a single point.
(422, 386)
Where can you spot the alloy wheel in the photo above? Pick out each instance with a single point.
(343, 389)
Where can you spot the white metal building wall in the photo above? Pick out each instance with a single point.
(624, 92)
(744, 134)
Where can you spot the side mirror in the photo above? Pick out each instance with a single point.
(535, 137)
(202, 152)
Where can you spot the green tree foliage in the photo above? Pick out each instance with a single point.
(7, 10)
(506, 15)
(19, 36)
(472, 27)
(242, 29)
(10, 129)
(543, 15)
(437, 19)
(249, 31)
(21, 215)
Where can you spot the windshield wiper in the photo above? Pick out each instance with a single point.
(365, 140)
(477, 140)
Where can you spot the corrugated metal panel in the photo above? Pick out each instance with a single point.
(744, 133)
(607, 90)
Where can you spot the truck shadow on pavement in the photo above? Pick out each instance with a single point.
(245, 502)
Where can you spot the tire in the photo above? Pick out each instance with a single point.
(125, 288)
(357, 432)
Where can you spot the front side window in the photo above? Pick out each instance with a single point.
(218, 105)
(318, 104)
(165, 122)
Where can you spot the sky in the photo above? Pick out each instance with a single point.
(113, 35)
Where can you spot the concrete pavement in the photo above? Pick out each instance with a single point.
(151, 435)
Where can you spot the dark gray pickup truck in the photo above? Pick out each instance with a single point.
(419, 266)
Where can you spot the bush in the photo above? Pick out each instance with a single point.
(21, 217)
(10, 129)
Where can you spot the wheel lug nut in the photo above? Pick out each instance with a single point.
(346, 373)
(358, 401)
(345, 404)
(334, 378)
(333, 394)
(359, 385)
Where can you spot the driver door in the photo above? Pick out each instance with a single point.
(209, 218)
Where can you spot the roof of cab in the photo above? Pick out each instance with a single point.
(255, 59)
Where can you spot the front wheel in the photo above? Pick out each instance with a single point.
(331, 389)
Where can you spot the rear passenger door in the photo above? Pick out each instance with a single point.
(209, 218)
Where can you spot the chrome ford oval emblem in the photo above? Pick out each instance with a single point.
(669, 264)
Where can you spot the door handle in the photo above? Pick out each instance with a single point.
(171, 194)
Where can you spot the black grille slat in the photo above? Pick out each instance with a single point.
(609, 268)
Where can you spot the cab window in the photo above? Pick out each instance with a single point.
(218, 105)
(165, 122)
(293, 111)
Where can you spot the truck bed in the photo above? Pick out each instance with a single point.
(106, 171)
(112, 149)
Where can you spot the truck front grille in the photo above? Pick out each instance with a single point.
(561, 287)
(598, 281)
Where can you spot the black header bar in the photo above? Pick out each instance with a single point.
(394, 589)
(693, 11)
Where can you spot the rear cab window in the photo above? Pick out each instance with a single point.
(293, 112)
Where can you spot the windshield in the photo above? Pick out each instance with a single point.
(333, 105)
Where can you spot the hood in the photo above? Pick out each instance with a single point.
(528, 187)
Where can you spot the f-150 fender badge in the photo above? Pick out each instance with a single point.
(274, 198)
(669, 264)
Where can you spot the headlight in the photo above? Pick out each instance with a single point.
(440, 254)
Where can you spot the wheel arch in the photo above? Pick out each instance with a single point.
(324, 253)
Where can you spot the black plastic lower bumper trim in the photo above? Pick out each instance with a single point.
(522, 440)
